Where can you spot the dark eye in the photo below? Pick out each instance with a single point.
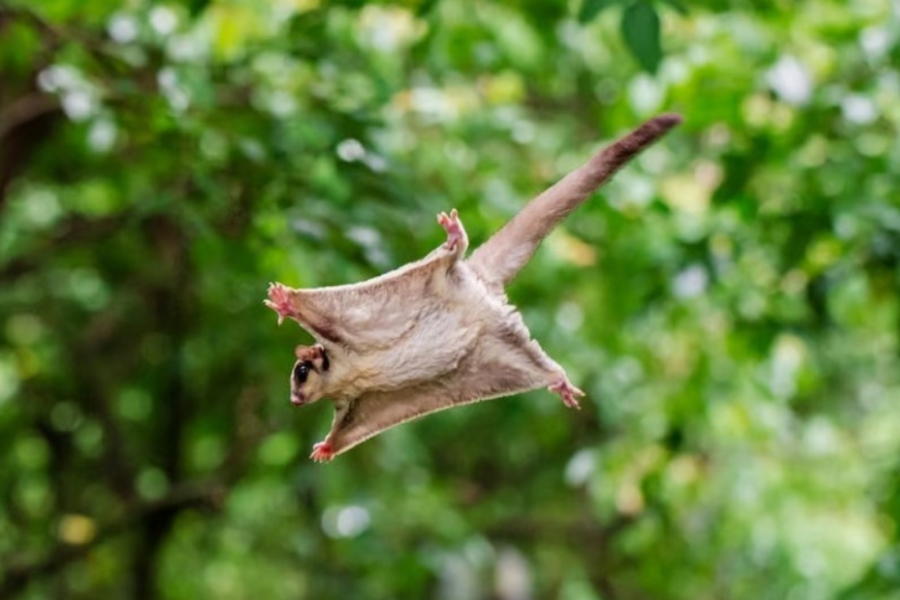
(301, 372)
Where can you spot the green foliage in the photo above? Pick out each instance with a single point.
(729, 302)
(640, 27)
(640, 30)
(591, 8)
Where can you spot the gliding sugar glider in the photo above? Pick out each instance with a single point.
(438, 332)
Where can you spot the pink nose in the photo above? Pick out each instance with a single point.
(297, 398)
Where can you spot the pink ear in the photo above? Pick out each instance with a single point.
(300, 352)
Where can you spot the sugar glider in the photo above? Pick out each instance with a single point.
(438, 332)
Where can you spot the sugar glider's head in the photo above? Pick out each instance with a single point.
(309, 373)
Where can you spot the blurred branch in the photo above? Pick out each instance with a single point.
(170, 304)
(250, 430)
(27, 108)
(72, 231)
(24, 124)
(585, 531)
(26, 121)
(58, 34)
(585, 536)
(16, 577)
(29, 125)
(17, 14)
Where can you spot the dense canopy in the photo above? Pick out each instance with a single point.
(730, 303)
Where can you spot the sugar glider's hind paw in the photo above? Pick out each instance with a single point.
(322, 452)
(280, 301)
(568, 392)
(456, 235)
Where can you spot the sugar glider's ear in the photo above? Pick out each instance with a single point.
(306, 352)
(314, 354)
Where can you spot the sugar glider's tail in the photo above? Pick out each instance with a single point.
(500, 258)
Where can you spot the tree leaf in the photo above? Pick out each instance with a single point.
(591, 8)
(640, 29)
(679, 6)
(196, 7)
(426, 8)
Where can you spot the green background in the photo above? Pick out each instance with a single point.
(729, 303)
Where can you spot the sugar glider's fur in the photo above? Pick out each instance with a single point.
(438, 332)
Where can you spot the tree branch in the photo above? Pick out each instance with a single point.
(24, 109)
(17, 576)
(71, 232)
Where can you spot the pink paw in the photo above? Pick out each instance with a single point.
(567, 392)
(322, 452)
(453, 227)
(280, 301)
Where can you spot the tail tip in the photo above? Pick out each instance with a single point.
(667, 120)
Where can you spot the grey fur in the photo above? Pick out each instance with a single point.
(439, 332)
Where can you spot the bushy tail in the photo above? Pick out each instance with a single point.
(500, 258)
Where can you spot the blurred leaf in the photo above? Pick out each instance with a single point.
(195, 7)
(641, 30)
(426, 7)
(591, 8)
(678, 5)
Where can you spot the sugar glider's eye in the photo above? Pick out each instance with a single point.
(301, 372)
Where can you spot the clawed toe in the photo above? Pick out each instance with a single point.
(567, 392)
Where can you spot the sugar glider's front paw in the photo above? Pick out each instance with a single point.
(280, 301)
(456, 234)
(322, 452)
(568, 392)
